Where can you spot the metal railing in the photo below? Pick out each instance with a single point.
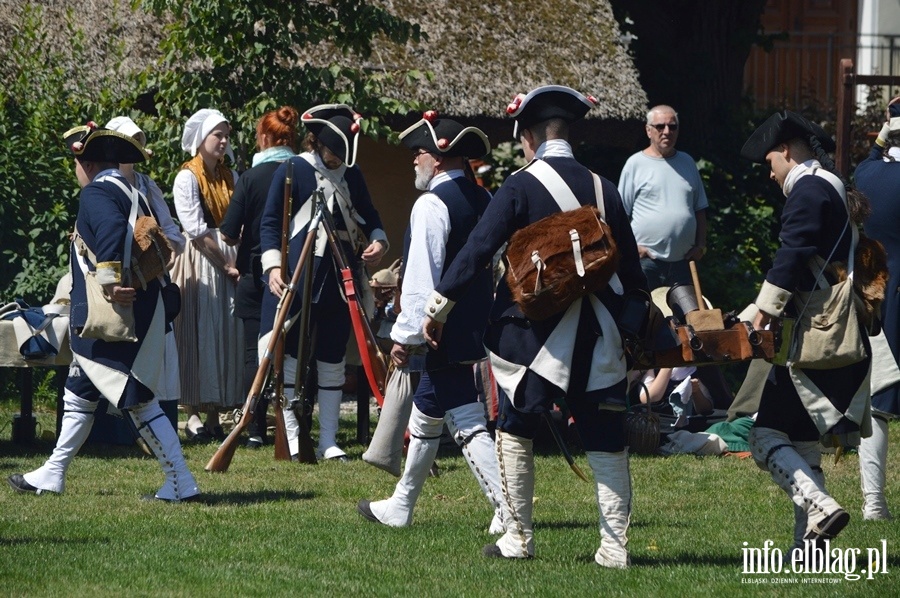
(805, 65)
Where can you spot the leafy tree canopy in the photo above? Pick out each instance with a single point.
(242, 57)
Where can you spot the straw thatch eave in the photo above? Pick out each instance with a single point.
(482, 54)
(117, 39)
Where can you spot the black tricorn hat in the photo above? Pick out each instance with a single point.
(337, 127)
(780, 128)
(97, 144)
(446, 137)
(546, 102)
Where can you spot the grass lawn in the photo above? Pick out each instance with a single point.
(272, 528)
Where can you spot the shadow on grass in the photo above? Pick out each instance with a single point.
(574, 524)
(686, 559)
(567, 524)
(219, 499)
(51, 540)
(40, 448)
(680, 560)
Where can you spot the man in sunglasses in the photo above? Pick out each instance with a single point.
(665, 200)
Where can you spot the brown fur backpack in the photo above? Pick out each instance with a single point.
(150, 252)
(542, 268)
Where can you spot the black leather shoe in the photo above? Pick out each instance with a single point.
(218, 433)
(153, 497)
(201, 436)
(365, 509)
(829, 527)
(18, 483)
(255, 442)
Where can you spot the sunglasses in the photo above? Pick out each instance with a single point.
(662, 127)
(420, 152)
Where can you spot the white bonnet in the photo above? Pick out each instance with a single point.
(199, 126)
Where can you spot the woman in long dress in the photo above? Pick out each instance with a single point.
(209, 336)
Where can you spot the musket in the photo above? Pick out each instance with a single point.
(373, 358)
(306, 451)
(221, 459)
(282, 449)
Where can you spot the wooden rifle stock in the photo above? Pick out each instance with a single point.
(282, 449)
(221, 459)
(374, 360)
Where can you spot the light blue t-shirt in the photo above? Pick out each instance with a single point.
(661, 197)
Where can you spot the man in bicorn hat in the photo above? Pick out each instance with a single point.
(441, 220)
(119, 371)
(801, 409)
(329, 163)
(576, 355)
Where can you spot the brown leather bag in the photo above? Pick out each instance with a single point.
(554, 261)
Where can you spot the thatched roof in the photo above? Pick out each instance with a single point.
(483, 53)
(118, 40)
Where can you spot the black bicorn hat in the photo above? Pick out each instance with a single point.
(337, 126)
(98, 144)
(546, 102)
(780, 128)
(446, 137)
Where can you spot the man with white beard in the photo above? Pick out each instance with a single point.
(441, 220)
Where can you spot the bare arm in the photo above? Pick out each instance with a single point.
(654, 393)
(229, 241)
(208, 247)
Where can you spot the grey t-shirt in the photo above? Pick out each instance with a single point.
(661, 197)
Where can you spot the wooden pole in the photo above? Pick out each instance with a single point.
(846, 102)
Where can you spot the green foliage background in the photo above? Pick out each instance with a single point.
(38, 207)
(241, 58)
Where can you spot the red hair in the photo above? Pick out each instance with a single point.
(280, 125)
